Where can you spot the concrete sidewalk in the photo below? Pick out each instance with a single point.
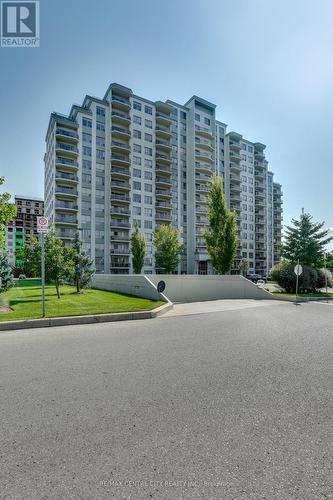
(212, 306)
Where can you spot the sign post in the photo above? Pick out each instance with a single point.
(42, 228)
(298, 271)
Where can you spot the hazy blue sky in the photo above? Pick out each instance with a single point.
(267, 64)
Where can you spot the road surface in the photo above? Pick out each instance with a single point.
(233, 404)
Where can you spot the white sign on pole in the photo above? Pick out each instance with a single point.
(298, 269)
(42, 224)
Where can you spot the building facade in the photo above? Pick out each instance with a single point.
(124, 160)
(23, 226)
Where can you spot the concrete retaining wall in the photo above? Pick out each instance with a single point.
(132, 284)
(182, 288)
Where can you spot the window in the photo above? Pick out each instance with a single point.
(137, 105)
(148, 224)
(137, 134)
(136, 173)
(100, 154)
(243, 157)
(100, 111)
(136, 185)
(149, 110)
(197, 117)
(148, 188)
(149, 151)
(86, 123)
(148, 175)
(148, 200)
(100, 126)
(250, 149)
(137, 119)
(137, 148)
(100, 141)
(148, 137)
(148, 163)
(86, 138)
(148, 123)
(148, 212)
(86, 150)
(137, 198)
(136, 160)
(206, 121)
(136, 210)
(86, 164)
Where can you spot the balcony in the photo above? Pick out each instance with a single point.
(66, 135)
(204, 132)
(120, 237)
(234, 167)
(66, 234)
(260, 194)
(259, 174)
(162, 169)
(164, 181)
(118, 159)
(203, 178)
(162, 131)
(163, 216)
(120, 185)
(63, 191)
(122, 118)
(204, 143)
(66, 206)
(121, 198)
(203, 155)
(120, 172)
(202, 188)
(67, 149)
(204, 167)
(163, 205)
(65, 162)
(163, 193)
(120, 146)
(163, 145)
(234, 156)
(163, 118)
(235, 207)
(164, 159)
(120, 102)
(121, 132)
(235, 197)
(64, 177)
(119, 251)
(120, 265)
(65, 220)
(120, 210)
(119, 223)
(234, 146)
(259, 155)
(235, 188)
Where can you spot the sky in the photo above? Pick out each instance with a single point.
(267, 65)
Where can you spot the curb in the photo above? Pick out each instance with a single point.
(303, 299)
(84, 320)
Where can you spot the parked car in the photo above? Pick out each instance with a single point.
(261, 282)
(255, 277)
(22, 277)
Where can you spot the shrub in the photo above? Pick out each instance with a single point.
(284, 274)
(321, 282)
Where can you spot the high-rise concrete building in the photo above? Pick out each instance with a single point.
(19, 230)
(124, 159)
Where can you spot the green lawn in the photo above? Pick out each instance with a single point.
(25, 300)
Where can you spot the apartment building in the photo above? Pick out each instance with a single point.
(23, 226)
(123, 160)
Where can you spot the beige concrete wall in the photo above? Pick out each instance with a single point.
(181, 288)
(132, 284)
(193, 288)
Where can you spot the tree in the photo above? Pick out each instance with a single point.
(221, 237)
(243, 266)
(59, 261)
(329, 261)
(306, 242)
(6, 275)
(82, 265)
(138, 249)
(309, 281)
(7, 213)
(167, 248)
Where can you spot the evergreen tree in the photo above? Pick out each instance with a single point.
(83, 265)
(6, 274)
(306, 242)
(138, 249)
(167, 248)
(7, 213)
(221, 237)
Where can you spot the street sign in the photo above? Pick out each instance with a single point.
(161, 286)
(42, 224)
(298, 269)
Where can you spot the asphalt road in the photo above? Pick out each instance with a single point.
(225, 405)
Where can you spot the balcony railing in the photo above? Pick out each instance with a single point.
(121, 115)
